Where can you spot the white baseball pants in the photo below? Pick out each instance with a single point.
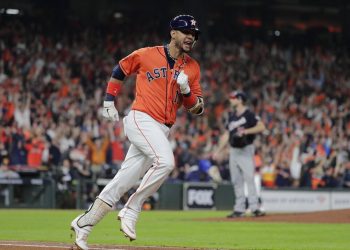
(150, 152)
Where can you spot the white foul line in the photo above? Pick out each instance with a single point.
(31, 245)
(49, 246)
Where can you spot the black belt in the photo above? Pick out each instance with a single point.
(169, 125)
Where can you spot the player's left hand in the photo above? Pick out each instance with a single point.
(182, 80)
(109, 111)
(240, 132)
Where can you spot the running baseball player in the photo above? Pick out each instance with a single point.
(242, 127)
(167, 78)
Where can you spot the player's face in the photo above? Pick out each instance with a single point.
(234, 102)
(185, 39)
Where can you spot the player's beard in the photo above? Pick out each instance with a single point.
(180, 46)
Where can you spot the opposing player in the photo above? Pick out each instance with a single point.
(242, 127)
(167, 78)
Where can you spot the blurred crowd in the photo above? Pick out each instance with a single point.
(52, 85)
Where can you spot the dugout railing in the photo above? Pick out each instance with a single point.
(45, 193)
(28, 193)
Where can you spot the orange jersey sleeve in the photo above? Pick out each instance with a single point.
(131, 63)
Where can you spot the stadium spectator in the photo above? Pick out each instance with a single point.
(329, 179)
(6, 172)
(18, 152)
(346, 176)
(283, 175)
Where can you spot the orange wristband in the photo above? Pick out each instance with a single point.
(189, 101)
(113, 88)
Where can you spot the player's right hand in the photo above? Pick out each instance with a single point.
(182, 80)
(109, 111)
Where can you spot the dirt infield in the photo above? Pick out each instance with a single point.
(336, 216)
(22, 245)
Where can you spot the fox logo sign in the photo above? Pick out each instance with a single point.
(200, 197)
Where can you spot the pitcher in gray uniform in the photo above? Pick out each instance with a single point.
(242, 127)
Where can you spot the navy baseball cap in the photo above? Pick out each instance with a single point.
(238, 94)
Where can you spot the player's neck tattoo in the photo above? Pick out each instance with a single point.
(168, 51)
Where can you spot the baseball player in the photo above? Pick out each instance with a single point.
(241, 129)
(167, 78)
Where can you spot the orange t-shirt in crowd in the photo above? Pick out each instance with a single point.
(258, 161)
(35, 151)
(157, 92)
(117, 151)
(98, 154)
(10, 110)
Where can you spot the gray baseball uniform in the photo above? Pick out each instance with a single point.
(242, 165)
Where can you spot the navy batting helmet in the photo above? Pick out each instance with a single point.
(185, 22)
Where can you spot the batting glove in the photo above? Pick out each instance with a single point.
(109, 111)
(182, 80)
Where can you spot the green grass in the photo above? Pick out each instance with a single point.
(177, 228)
